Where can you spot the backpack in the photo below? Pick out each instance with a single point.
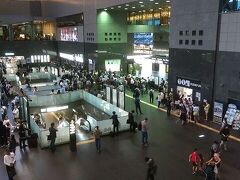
(139, 126)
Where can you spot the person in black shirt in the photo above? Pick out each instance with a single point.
(131, 121)
(22, 135)
(115, 123)
(52, 135)
(225, 133)
(2, 130)
(152, 168)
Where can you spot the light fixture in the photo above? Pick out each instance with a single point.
(127, 5)
(156, 3)
(142, 6)
(169, 7)
(105, 9)
(119, 6)
(144, 11)
(140, 2)
(126, 8)
(133, 7)
(159, 8)
(112, 7)
(151, 9)
(168, 1)
(151, 0)
(140, 11)
(201, 136)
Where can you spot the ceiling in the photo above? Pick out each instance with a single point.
(141, 5)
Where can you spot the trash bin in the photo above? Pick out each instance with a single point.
(32, 141)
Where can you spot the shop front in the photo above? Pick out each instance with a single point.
(189, 88)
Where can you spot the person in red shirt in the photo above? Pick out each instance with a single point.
(193, 159)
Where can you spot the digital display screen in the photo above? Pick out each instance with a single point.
(143, 38)
(69, 34)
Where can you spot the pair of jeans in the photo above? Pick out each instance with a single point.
(115, 127)
(151, 98)
(10, 172)
(98, 144)
(144, 137)
(52, 144)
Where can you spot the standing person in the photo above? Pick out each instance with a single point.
(193, 159)
(206, 110)
(183, 115)
(52, 137)
(2, 130)
(215, 148)
(159, 100)
(225, 133)
(22, 135)
(15, 113)
(115, 123)
(144, 131)
(215, 162)
(131, 121)
(169, 106)
(12, 143)
(195, 110)
(152, 168)
(9, 161)
(137, 104)
(151, 95)
(97, 135)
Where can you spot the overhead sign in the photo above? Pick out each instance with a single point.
(189, 83)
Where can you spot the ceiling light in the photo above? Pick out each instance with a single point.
(126, 8)
(159, 8)
(151, 0)
(156, 3)
(167, 1)
(127, 5)
(169, 7)
(140, 2)
(112, 7)
(144, 11)
(142, 6)
(105, 9)
(140, 11)
(133, 7)
(119, 6)
(151, 9)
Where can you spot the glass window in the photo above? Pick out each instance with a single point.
(180, 42)
(180, 33)
(187, 33)
(200, 32)
(200, 42)
(194, 33)
(193, 42)
(186, 42)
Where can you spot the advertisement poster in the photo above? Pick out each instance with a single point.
(114, 97)
(218, 109)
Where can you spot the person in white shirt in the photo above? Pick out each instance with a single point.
(9, 161)
(15, 113)
(144, 131)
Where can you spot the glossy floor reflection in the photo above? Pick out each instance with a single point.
(122, 157)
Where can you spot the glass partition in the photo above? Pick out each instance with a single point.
(54, 100)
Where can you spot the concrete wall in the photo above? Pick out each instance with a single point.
(230, 32)
(227, 78)
(194, 15)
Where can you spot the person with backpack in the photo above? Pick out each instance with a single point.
(194, 159)
(143, 126)
(115, 123)
(152, 168)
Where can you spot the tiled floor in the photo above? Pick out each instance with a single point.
(122, 157)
